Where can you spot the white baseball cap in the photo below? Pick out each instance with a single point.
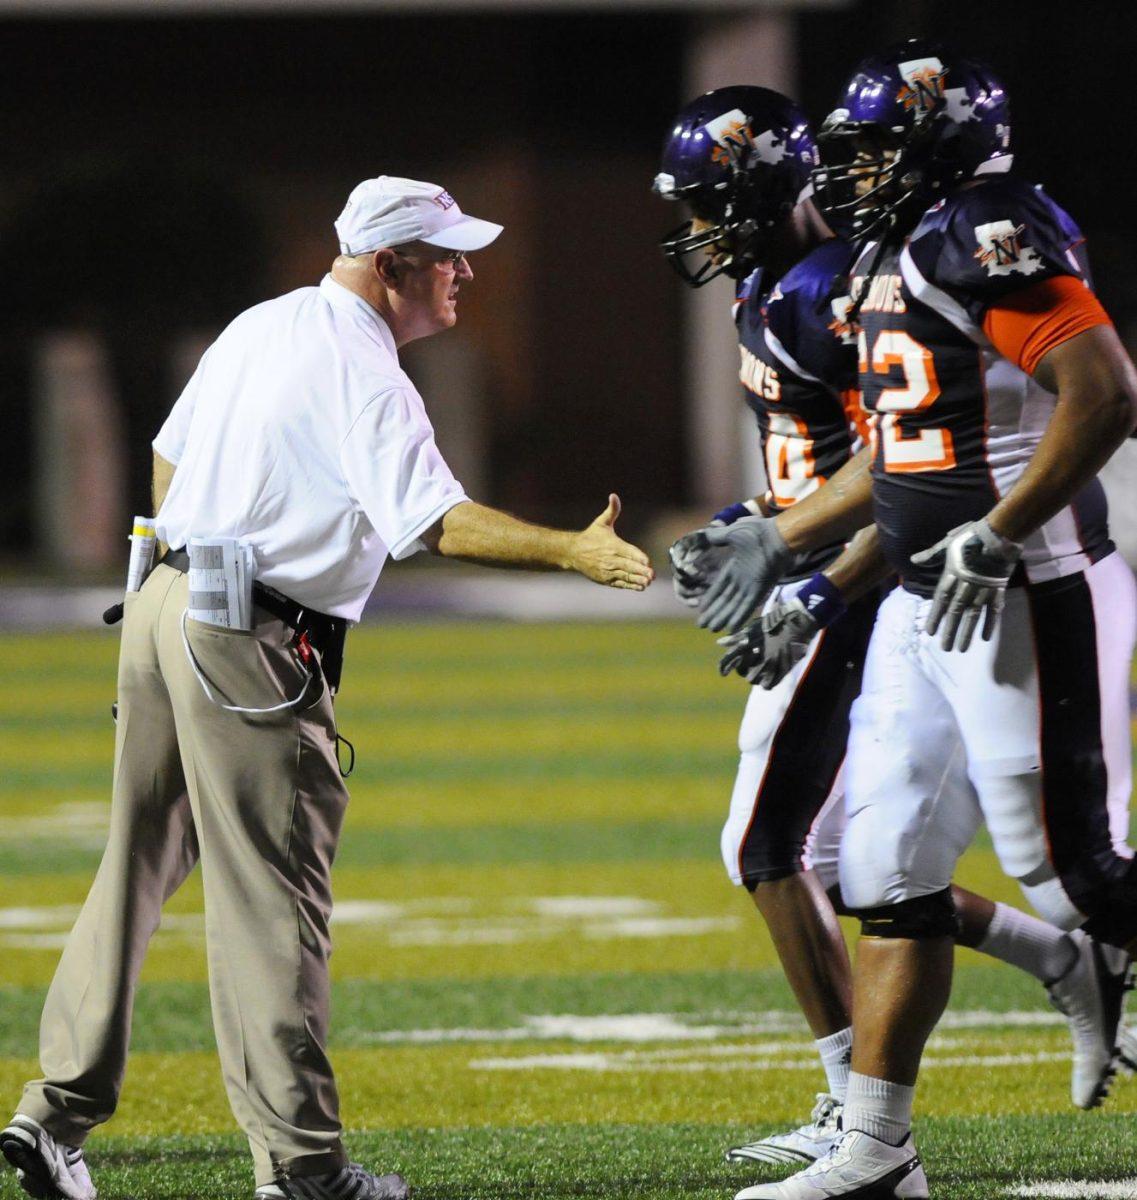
(389, 211)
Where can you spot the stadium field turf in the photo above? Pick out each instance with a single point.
(544, 985)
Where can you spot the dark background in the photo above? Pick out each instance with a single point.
(157, 176)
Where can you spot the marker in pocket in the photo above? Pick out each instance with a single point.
(143, 539)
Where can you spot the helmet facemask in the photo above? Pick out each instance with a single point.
(739, 160)
(737, 240)
(722, 214)
(870, 178)
(917, 120)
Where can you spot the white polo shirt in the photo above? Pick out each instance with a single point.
(300, 433)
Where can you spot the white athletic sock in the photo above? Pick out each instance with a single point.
(879, 1108)
(1027, 943)
(836, 1051)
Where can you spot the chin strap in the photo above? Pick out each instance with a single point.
(862, 293)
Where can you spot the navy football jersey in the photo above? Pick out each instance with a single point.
(955, 422)
(799, 373)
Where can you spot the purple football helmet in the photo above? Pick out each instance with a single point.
(912, 123)
(741, 158)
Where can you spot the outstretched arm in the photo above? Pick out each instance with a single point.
(489, 536)
(833, 512)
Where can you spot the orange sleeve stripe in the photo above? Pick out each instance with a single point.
(1027, 325)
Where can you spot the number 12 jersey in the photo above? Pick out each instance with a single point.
(952, 325)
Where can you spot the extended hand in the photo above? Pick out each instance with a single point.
(605, 558)
(977, 566)
(757, 558)
(766, 651)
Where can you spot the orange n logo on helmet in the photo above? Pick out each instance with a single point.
(923, 84)
(735, 141)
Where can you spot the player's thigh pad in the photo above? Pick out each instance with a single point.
(763, 718)
(791, 746)
(911, 810)
(1114, 596)
(823, 846)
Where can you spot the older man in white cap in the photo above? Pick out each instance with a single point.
(300, 449)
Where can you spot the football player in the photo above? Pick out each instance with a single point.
(739, 159)
(999, 389)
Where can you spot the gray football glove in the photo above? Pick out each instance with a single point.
(758, 558)
(694, 562)
(766, 651)
(977, 566)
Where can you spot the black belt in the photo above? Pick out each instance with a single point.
(325, 634)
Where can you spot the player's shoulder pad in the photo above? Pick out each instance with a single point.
(997, 236)
(806, 313)
(811, 278)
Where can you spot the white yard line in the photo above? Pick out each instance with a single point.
(434, 921)
(679, 1027)
(1074, 1189)
(630, 1062)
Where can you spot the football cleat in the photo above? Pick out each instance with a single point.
(352, 1182)
(1090, 995)
(45, 1168)
(858, 1166)
(802, 1145)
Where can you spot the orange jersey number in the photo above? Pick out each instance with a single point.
(789, 460)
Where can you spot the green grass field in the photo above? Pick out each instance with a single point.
(544, 985)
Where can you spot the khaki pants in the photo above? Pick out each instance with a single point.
(259, 800)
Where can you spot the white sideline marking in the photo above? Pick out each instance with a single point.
(1120, 1189)
(681, 1027)
(650, 927)
(431, 921)
(592, 906)
(39, 918)
(753, 1060)
(77, 822)
(34, 941)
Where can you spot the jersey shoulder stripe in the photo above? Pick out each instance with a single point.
(1027, 325)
